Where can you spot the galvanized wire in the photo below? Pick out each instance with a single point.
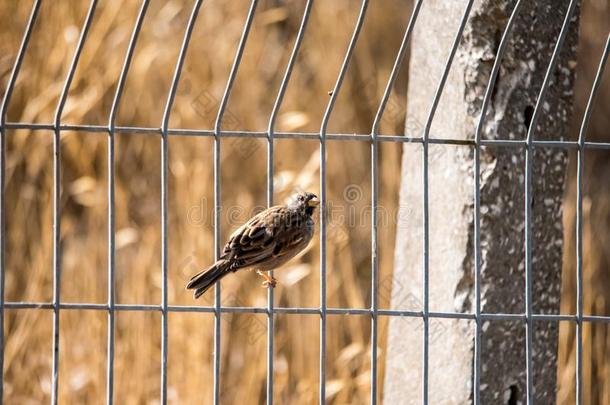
(111, 201)
(477, 202)
(529, 158)
(164, 193)
(270, 131)
(3, 111)
(375, 196)
(217, 195)
(425, 202)
(579, 220)
(57, 250)
(308, 311)
(323, 214)
(509, 143)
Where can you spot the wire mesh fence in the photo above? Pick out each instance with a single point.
(220, 131)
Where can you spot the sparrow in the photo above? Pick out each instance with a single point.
(265, 242)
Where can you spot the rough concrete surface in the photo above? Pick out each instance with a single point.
(502, 204)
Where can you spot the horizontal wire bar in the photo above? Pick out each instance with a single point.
(18, 305)
(309, 135)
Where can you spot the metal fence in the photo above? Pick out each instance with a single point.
(374, 138)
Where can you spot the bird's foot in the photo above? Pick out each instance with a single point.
(270, 282)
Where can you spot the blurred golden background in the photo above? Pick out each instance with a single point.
(83, 334)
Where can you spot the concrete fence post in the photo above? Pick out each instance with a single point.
(451, 205)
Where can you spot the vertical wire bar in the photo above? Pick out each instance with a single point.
(579, 219)
(323, 218)
(270, 136)
(375, 191)
(3, 111)
(477, 201)
(164, 192)
(426, 205)
(217, 288)
(111, 201)
(374, 264)
(396, 68)
(57, 197)
(217, 197)
(529, 157)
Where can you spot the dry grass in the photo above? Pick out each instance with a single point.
(595, 26)
(84, 206)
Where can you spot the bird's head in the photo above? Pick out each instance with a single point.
(304, 201)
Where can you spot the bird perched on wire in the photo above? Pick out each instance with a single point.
(265, 242)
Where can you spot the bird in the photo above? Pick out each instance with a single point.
(267, 241)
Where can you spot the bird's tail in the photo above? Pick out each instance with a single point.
(202, 281)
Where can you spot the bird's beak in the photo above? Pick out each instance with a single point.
(314, 202)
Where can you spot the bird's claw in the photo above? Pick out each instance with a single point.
(269, 283)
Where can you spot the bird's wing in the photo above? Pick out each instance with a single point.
(267, 235)
(255, 239)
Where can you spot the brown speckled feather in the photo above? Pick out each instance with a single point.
(269, 239)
